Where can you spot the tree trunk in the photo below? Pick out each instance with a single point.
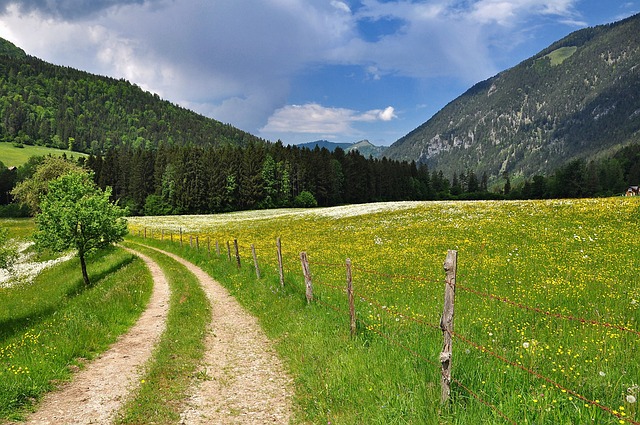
(83, 265)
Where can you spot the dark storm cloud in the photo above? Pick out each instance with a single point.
(68, 10)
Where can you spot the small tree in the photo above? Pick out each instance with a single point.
(30, 191)
(305, 200)
(76, 214)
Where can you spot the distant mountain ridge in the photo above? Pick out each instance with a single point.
(579, 98)
(365, 147)
(55, 106)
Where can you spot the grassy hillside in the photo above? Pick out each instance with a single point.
(12, 156)
(547, 309)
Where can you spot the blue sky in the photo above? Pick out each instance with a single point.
(302, 70)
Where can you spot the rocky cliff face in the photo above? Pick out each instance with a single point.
(579, 98)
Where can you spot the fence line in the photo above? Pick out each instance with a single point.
(450, 332)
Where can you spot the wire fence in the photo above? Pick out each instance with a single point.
(236, 251)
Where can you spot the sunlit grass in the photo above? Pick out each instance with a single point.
(567, 258)
(56, 322)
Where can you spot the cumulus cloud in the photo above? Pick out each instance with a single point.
(317, 119)
(236, 60)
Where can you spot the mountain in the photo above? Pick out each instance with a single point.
(60, 107)
(577, 99)
(365, 147)
(330, 146)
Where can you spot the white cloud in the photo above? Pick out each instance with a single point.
(236, 60)
(313, 118)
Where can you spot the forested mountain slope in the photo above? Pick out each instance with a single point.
(577, 99)
(50, 105)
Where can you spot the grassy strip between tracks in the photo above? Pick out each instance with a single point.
(163, 388)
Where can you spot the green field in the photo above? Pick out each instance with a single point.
(12, 156)
(546, 320)
(560, 55)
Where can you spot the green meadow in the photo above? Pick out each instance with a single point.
(545, 328)
(546, 311)
(12, 156)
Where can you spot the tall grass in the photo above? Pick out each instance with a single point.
(564, 258)
(56, 323)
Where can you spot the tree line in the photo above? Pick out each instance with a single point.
(206, 179)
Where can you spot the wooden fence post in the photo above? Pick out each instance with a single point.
(162, 235)
(181, 237)
(228, 251)
(280, 267)
(307, 276)
(235, 246)
(190, 241)
(197, 242)
(352, 307)
(145, 233)
(171, 235)
(217, 248)
(255, 260)
(446, 322)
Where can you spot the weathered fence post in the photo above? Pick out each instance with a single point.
(255, 260)
(446, 322)
(228, 251)
(280, 267)
(352, 307)
(217, 248)
(197, 242)
(171, 235)
(235, 246)
(162, 234)
(145, 233)
(190, 241)
(307, 276)
(181, 237)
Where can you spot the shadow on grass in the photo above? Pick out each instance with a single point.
(17, 324)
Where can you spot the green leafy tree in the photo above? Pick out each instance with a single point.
(76, 214)
(305, 200)
(30, 191)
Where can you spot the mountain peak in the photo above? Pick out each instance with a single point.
(576, 99)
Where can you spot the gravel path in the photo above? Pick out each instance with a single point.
(245, 382)
(96, 393)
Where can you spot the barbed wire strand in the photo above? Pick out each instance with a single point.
(546, 312)
(544, 378)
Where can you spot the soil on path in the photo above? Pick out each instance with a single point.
(96, 393)
(246, 382)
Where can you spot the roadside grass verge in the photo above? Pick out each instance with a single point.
(338, 380)
(163, 391)
(52, 326)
